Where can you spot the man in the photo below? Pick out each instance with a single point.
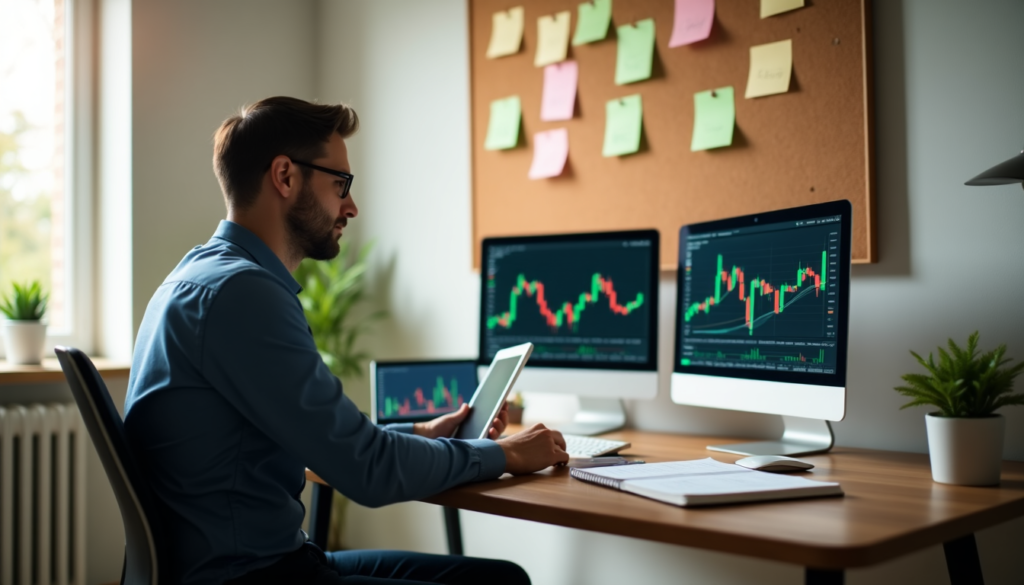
(229, 400)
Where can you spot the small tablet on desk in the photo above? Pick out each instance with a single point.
(417, 391)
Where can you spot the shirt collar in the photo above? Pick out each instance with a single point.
(260, 252)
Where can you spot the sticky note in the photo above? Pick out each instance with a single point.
(559, 98)
(773, 7)
(622, 126)
(552, 39)
(770, 68)
(714, 116)
(592, 20)
(506, 33)
(503, 127)
(692, 21)
(550, 151)
(636, 52)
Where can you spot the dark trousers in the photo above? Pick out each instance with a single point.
(311, 566)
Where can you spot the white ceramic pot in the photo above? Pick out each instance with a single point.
(966, 451)
(24, 341)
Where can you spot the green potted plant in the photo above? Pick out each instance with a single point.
(24, 330)
(331, 297)
(965, 435)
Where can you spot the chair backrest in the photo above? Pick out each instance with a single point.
(138, 504)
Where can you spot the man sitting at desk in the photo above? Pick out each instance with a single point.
(229, 401)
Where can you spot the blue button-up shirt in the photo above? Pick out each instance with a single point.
(229, 401)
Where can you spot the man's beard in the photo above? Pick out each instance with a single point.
(311, 228)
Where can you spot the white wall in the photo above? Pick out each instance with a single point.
(947, 105)
(196, 63)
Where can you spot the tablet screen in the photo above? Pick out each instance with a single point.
(487, 399)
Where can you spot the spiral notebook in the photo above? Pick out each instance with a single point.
(704, 482)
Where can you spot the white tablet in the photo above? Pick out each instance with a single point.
(493, 389)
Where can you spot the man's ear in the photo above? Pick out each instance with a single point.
(284, 176)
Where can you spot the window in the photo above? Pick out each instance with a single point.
(40, 195)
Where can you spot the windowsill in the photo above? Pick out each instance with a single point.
(50, 371)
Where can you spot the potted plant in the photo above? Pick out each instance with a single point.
(965, 436)
(24, 329)
(332, 292)
(515, 408)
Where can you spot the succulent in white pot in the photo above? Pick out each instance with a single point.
(24, 330)
(965, 435)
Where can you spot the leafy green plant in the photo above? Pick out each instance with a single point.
(27, 303)
(332, 291)
(964, 383)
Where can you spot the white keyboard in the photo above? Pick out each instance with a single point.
(583, 446)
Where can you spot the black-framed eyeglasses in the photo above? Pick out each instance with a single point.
(346, 178)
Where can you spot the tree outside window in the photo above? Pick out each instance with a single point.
(32, 150)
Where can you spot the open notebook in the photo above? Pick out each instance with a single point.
(703, 482)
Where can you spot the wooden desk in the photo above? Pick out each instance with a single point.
(891, 508)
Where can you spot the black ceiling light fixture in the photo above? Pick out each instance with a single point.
(1004, 173)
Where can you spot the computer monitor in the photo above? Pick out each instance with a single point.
(589, 304)
(416, 391)
(761, 322)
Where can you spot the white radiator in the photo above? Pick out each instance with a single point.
(42, 495)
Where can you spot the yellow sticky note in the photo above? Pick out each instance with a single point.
(770, 68)
(506, 33)
(773, 7)
(552, 39)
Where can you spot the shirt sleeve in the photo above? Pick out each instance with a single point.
(259, 354)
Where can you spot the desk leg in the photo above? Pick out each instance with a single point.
(454, 530)
(825, 576)
(320, 515)
(963, 562)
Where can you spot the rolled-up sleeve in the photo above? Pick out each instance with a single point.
(259, 354)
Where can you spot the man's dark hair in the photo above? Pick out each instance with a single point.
(245, 145)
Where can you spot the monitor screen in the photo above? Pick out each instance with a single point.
(418, 391)
(583, 300)
(764, 297)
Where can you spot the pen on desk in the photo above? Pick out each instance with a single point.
(583, 462)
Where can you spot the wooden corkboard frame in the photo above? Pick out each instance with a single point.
(810, 145)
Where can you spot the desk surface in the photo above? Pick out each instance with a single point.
(891, 508)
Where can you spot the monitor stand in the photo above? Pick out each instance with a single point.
(596, 416)
(803, 436)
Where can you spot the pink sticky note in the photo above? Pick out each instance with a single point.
(550, 151)
(559, 97)
(693, 21)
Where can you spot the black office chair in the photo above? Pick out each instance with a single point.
(138, 504)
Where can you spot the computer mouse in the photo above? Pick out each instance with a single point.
(776, 463)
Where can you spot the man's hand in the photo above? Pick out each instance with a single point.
(444, 426)
(533, 449)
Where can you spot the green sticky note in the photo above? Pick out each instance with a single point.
(636, 52)
(623, 123)
(503, 127)
(592, 22)
(714, 117)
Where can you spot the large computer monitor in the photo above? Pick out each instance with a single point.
(589, 304)
(761, 322)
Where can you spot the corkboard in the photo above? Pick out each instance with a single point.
(809, 145)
